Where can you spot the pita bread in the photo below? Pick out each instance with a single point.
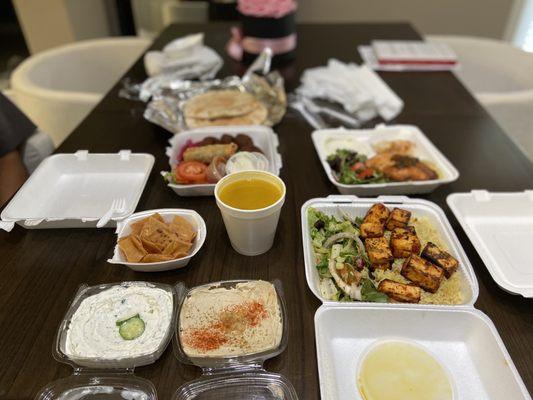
(220, 104)
(255, 117)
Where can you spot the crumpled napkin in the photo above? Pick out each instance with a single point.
(184, 58)
(359, 89)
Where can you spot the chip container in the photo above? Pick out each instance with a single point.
(424, 149)
(124, 229)
(235, 377)
(263, 137)
(462, 339)
(76, 190)
(98, 376)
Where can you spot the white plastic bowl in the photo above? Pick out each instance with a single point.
(124, 229)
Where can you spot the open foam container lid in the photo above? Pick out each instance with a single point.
(500, 227)
(75, 190)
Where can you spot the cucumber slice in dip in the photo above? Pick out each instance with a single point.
(131, 328)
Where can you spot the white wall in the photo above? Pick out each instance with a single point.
(51, 23)
(461, 17)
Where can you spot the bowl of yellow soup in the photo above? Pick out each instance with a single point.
(250, 203)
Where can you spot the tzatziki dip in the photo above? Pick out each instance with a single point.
(346, 142)
(120, 322)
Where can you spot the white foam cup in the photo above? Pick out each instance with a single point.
(251, 232)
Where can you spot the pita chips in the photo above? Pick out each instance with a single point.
(154, 240)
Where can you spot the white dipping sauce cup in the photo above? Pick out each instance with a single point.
(251, 232)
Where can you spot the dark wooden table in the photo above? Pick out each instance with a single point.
(41, 269)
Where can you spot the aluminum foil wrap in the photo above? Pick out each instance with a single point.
(168, 96)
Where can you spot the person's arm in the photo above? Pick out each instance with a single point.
(12, 175)
(15, 129)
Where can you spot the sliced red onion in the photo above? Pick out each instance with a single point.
(216, 170)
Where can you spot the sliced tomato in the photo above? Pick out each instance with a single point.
(357, 166)
(366, 173)
(191, 171)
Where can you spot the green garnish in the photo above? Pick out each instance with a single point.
(370, 293)
(131, 328)
(349, 168)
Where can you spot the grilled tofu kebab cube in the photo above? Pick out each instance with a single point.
(400, 291)
(422, 273)
(379, 252)
(373, 224)
(398, 218)
(440, 258)
(404, 242)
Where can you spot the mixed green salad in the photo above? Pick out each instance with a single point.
(341, 259)
(349, 167)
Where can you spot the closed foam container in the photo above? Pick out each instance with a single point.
(500, 227)
(263, 137)
(93, 376)
(168, 214)
(462, 339)
(76, 190)
(424, 150)
(234, 377)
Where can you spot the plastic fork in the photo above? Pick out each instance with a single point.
(117, 206)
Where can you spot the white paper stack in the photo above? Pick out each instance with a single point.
(184, 58)
(359, 89)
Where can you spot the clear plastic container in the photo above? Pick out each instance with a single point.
(94, 376)
(235, 377)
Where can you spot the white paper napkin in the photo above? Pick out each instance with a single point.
(185, 58)
(359, 89)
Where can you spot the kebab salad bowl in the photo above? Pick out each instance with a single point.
(401, 263)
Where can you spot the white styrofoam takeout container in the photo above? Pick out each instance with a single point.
(263, 137)
(463, 340)
(168, 214)
(500, 226)
(76, 190)
(424, 149)
(354, 206)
